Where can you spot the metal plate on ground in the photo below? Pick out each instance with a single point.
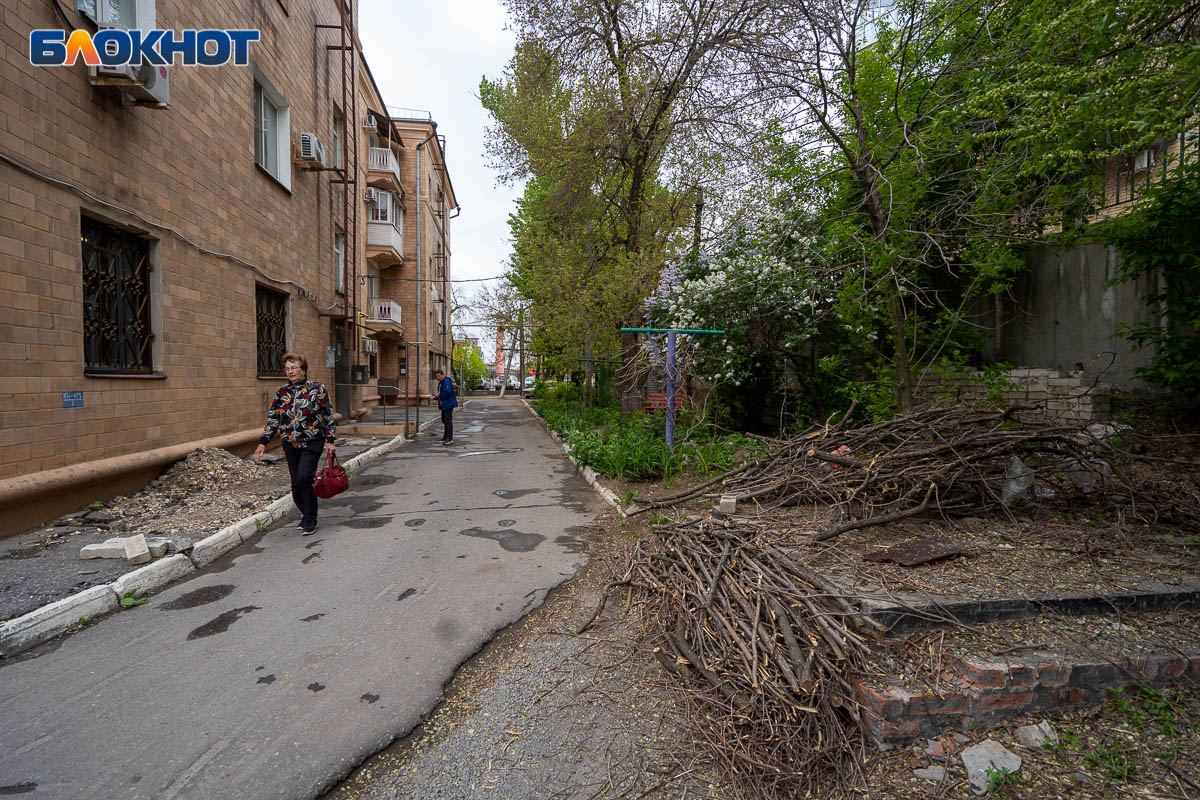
(918, 551)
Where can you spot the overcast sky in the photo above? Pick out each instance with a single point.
(430, 55)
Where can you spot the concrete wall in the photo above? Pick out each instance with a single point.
(1063, 313)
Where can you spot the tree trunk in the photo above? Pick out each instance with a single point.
(630, 388)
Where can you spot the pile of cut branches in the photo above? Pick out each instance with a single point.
(945, 460)
(765, 648)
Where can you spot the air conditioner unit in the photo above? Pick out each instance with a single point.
(153, 87)
(1145, 159)
(370, 346)
(311, 149)
(369, 123)
(371, 195)
(141, 84)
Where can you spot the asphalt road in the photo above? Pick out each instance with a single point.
(275, 671)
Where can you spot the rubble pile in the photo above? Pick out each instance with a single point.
(194, 497)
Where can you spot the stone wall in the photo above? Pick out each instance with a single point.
(1068, 397)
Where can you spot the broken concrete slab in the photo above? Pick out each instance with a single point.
(158, 546)
(728, 504)
(113, 548)
(985, 756)
(933, 773)
(136, 549)
(1037, 736)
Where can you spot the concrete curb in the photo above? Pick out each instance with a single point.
(50, 620)
(588, 473)
(23, 632)
(153, 576)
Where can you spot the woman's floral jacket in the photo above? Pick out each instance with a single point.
(300, 413)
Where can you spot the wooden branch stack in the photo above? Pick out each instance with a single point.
(948, 460)
(765, 648)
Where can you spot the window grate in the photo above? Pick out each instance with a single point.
(271, 317)
(117, 335)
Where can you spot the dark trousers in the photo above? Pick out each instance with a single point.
(447, 424)
(302, 464)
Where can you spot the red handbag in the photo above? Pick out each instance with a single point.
(331, 479)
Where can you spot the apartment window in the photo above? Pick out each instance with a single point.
(117, 331)
(339, 260)
(373, 365)
(339, 130)
(272, 131)
(387, 209)
(270, 313)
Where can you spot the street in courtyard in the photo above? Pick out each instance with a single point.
(279, 668)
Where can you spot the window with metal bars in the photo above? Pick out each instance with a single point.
(117, 334)
(270, 313)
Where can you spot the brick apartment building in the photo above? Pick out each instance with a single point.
(163, 241)
(412, 275)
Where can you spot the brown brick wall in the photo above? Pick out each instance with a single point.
(190, 168)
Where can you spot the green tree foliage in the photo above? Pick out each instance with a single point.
(597, 108)
(469, 359)
(1161, 240)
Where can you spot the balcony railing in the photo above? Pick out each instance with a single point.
(382, 159)
(385, 309)
(385, 234)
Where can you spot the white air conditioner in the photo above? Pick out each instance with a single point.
(311, 149)
(369, 123)
(1145, 159)
(153, 87)
(370, 346)
(144, 84)
(371, 195)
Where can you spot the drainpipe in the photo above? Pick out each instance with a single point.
(420, 375)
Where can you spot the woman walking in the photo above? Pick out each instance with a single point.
(303, 417)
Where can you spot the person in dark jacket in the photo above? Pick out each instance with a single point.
(447, 402)
(303, 417)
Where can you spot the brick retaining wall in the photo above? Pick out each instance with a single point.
(1067, 396)
(986, 692)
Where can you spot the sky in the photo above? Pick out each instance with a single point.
(430, 55)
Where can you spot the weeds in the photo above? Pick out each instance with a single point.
(1111, 758)
(1143, 705)
(1000, 780)
(131, 599)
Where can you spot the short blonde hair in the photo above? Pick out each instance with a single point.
(299, 359)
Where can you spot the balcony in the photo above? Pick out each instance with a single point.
(385, 244)
(383, 170)
(383, 319)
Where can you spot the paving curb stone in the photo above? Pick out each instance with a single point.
(153, 576)
(210, 548)
(588, 473)
(39, 625)
(52, 619)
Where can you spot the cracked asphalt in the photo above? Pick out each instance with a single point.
(281, 667)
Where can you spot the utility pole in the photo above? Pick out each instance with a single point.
(521, 329)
